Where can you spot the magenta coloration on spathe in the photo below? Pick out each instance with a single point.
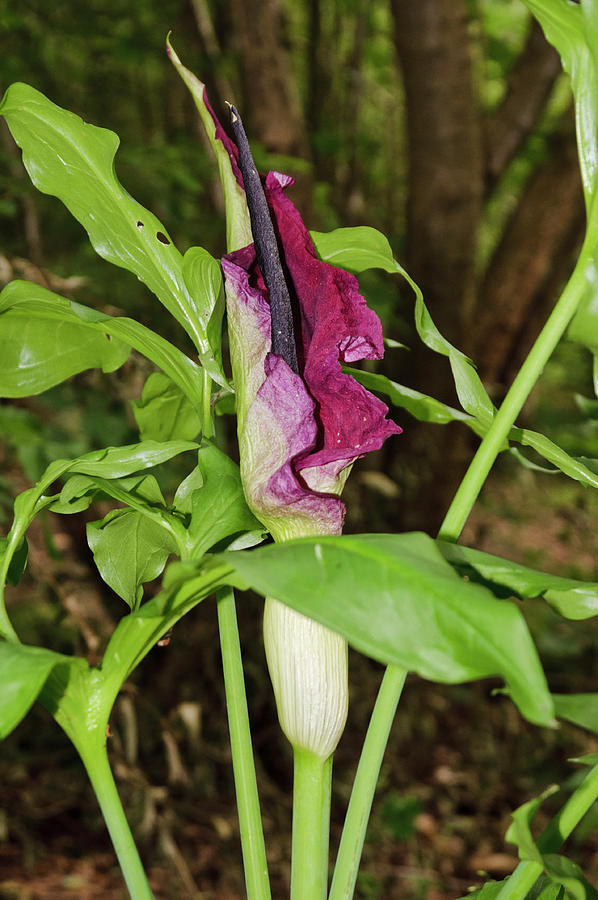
(311, 426)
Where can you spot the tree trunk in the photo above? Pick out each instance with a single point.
(526, 270)
(444, 208)
(528, 88)
(270, 102)
(444, 154)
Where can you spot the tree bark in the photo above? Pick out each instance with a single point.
(528, 88)
(270, 105)
(444, 155)
(528, 265)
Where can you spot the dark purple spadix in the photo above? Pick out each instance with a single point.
(266, 250)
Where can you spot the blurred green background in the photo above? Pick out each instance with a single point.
(448, 125)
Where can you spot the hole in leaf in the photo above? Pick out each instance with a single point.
(162, 238)
(140, 224)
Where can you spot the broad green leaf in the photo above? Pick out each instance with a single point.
(129, 549)
(137, 633)
(564, 27)
(571, 598)
(32, 303)
(213, 496)
(581, 709)
(110, 463)
(360, 248)
(23, 671)
(118, 462)
(572, 29)
(420, 406)
(397, 600)
(355, 248)
(567, 873)
(519, 831)
(238, 226)
(543, 889)
(38, 354)
(203, 278)
(552, 892)
(74, 161)
(163, 412)
(578, 469)
(363, 248)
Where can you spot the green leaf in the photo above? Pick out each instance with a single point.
(542, 890)
(564, 27)
(238, 226)
(129, 549)
(573, 31)
(571, 598)
(357, 248)
(363, 247)
(23, 671)
(552, 892)
(579, 469)
(18, 562)
(185, 585)
(74, 161)
(203, 278)
(567, 873)
(37, 354)
(164, 413)
(519, 831)
(581, 709)
(397, 600)
(420, 406)
(32, 303)
(360, 248)
(213, 496)
(488, 891)
(110, 463)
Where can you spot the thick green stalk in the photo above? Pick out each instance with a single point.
(95, 758)
(248, 804)
(364, 786)
(527, 872)
(311, 825)
(518, 393)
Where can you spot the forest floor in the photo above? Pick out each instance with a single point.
(460, 758)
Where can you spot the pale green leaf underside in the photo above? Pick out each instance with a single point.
(396, 599)
(23, 671)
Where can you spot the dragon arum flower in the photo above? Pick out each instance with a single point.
(293, 320)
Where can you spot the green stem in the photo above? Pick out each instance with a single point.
(6, 629)
(364, 786)
(248, 804)
(311, 825)
(527, 872)
(95, 759)
(518, 393)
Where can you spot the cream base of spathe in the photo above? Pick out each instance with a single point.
(309, 672)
